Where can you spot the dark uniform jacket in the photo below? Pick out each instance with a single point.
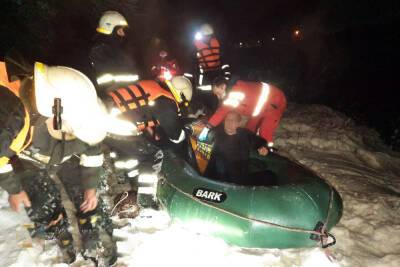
(47, 153)
(107, 56)
(230, 157)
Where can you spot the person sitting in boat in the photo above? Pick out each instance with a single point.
(232, 145)
(263, 104)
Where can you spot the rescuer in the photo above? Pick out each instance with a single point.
(208, 57)
(151, 107)
(110, 63)
(261, 103)
(146, 116)
(50, 123)
(160, 63)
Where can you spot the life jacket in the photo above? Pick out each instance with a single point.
(138, 95)
(13, 86)
(208, 54)
(250, 99)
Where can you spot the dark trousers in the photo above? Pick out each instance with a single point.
(46, 198)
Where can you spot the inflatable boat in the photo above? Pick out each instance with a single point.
(297, 210)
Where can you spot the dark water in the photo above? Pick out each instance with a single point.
(354, 72)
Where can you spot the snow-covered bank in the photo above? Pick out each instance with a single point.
(352, 158)
(365, 173)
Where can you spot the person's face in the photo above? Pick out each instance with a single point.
(231, 124)
(121, 32)
(220, 91)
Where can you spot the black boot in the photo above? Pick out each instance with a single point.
(64, 238)
(61, 234)
(98, 245)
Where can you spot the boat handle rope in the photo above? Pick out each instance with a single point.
(323, 234)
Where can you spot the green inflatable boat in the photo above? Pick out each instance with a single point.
(296, 211)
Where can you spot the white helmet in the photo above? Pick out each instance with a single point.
(82, 111)
(182, 85)
(109, 21)
(206, 29)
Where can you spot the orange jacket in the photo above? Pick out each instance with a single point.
(13, 86)
(139, 94)
(251, 99)
(208, 54)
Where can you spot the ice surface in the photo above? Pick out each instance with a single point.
(351, 158)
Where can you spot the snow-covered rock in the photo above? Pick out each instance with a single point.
(352, 158)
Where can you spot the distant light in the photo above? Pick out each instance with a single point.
(198, 36)
(297, 32)
(241, 44)
(273, 38)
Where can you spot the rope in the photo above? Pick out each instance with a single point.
(323, 230)
(126, 194)
(283, 227)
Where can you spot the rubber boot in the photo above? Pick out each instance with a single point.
(98, 245)
(59, 232)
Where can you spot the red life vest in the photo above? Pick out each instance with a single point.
(208, 54)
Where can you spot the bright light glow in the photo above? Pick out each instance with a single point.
(126, 164)
(232, 102)
(92, 161)
(297, 32)
(270, 144)
(205, 87)
(147, 190)
(273, 38)
(121, 127)
(167, 75)
(152, 103)
(113, 155)
(180, 138)
(115, 112)
(133, 173)
(236, 95)
(198, 36)
(234, 99)
(148, 178)
(261, 99)
(200, 78)
(107, 78)
(6, 168)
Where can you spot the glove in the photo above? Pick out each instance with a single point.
(203, 135)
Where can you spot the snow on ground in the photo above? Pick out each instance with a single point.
(351, 158)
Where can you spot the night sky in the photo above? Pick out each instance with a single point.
(346, 58)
